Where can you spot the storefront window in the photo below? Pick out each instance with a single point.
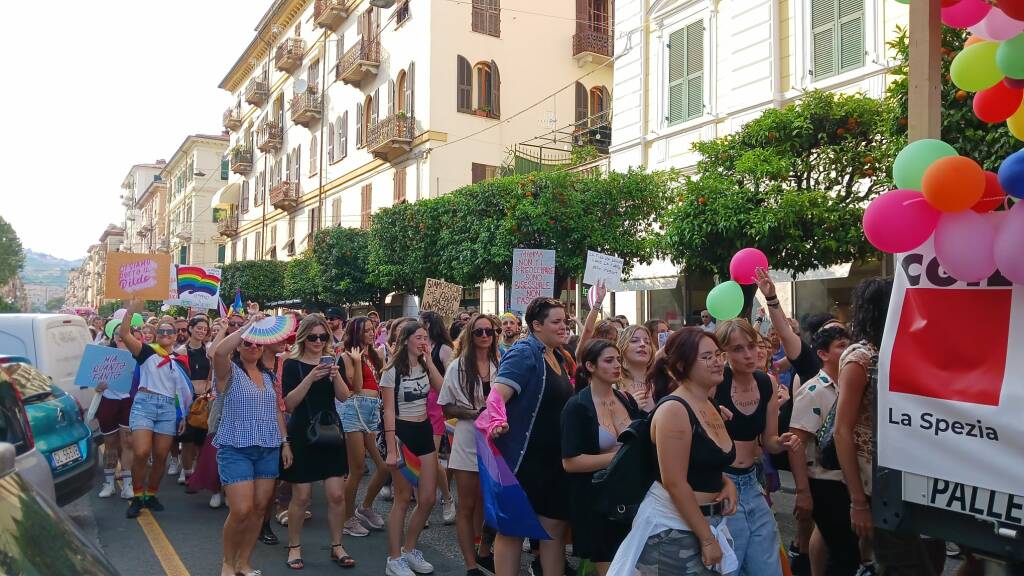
(833, 295)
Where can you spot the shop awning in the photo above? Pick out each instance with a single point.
(661, 283)
(658, 275)
(227, 195)
(836, 271)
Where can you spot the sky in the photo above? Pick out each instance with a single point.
(95, 87)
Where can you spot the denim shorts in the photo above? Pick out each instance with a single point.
(365, 407)
(154, 412)
(247, 464)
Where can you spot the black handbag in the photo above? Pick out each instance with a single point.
(827, 442)
(324, 429)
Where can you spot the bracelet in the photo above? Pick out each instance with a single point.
(774, 305)
(708, 543)
(860, 507)
(772, 299)
(389, 429)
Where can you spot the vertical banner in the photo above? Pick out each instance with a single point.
(198, 287)
(951, 379)
(144, 276)
(441, 297)
(603, 267)
(533, 276)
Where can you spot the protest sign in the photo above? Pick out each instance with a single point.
(198, 287)
(533, 276)
(144, 276)
(603, 267)
(441, 297)
(105, 364)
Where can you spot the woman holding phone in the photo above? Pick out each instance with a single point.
(311, 381)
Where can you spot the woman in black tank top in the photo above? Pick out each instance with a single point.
(751, 397)
(199, 371)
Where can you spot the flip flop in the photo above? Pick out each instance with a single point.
(345, 561)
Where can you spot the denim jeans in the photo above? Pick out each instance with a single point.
(754, 531)
(154, 412)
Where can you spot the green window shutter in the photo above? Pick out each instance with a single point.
(851, 34)
(677, 76)
(224, 168)
(221, 249)
(823, 38)
(695, 70)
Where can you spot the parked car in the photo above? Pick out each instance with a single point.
(53, 343)
(36, 537)
(57, 424)
(15, 430)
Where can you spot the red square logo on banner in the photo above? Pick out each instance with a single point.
(952, 344)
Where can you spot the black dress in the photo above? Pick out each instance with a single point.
(540, 473)
(311, 463)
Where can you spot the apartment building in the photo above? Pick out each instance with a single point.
(700, 70)
(342, 107)
(85, 283)
(151, 226)
(196, 171)
(134, 184)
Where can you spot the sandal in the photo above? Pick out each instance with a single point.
(345, 561)
(282, 517)
(296, 564)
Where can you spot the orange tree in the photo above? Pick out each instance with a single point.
(339, 262)
(792, 182)
(261, 281)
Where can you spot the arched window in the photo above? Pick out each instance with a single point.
(399, 93)
(482, 73)
(367, 120)
(599, 103)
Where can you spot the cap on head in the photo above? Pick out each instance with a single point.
(335, 313)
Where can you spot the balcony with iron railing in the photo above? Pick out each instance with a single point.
(227, 221)
(284, 195)
(391, 137)
(232, 119)
(288, 56)
(181, 230)
(269, 136)
(361, 60)
(593, 45)
(257, 91)
(240, 159)
(306, 106)
(330, 14)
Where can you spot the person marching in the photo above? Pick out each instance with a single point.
(196, 351)
(511, 331)
(112, 415)
(441, 355)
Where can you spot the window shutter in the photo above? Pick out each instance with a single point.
(245, 196)
(676, 76)
(297, 165)
(339, 49)
(330, 141)
(478, 173)
(336, 211)
(391, 97)
(581, 103)
(695, 70)
(375, 114)
(344, 134)
(479, 17)
(224, 168)
(409, 90)
(313, 150)
(464, 85)
(495, 91)
(493, 16)
(359, 124)
(399, 185)
(582, 15)
(851, 34)
(823, 38)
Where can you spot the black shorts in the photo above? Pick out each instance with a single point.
(192, 435)
(418, 436)
(832, 516)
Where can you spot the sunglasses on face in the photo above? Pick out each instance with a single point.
(319, 337)
(236, 324)
(183, 330)
(247, 344)
(481, 332)
(164, 331)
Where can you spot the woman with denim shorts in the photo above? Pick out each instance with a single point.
(251, 444)
(154, 416)
(360, 418)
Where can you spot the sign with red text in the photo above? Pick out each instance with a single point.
(533, 276)
(951, 378)
(144, 276)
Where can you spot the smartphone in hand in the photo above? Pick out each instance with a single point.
(326, 360)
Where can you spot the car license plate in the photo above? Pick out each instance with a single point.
(66, 455)
(964, 499)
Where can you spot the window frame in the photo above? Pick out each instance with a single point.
(875, 51)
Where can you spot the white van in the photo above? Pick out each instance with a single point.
(54, 343)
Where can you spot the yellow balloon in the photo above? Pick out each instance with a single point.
(1016, 123)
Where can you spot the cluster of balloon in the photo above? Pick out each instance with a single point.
(725, 300)
(992, 61)
(942, 193)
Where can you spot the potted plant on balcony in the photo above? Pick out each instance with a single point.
(483, 111)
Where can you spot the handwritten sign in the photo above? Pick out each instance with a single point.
(603, 267)
(441, 297)
(105, 364)
(533, 276)
(144, 276)
(198, 287)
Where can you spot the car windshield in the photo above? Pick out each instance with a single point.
(29, 381)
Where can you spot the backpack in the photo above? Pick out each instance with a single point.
(620, 488)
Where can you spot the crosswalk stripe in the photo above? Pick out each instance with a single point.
(165, 553)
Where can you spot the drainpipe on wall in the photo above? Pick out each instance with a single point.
(323, 142)
(777, 95)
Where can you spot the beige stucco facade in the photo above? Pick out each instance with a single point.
(192, 176)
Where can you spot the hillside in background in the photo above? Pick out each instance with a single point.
(46, 270)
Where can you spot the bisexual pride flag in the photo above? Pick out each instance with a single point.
(506, 507)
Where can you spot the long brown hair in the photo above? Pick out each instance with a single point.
(400, 356)
(469, 373)
(354, 337)
(676, 361)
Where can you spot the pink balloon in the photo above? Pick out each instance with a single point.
(745, 263)
(964, 245)
(899, 220)
(1009, 245)
(966, 13)
(998, 26)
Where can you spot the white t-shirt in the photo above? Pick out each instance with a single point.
(412, 393)
(162, 380)
(813, 402)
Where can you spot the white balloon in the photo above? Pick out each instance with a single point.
(998, 26)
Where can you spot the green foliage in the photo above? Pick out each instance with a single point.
(54, 304)
(302, 280)
(988, 144)
(261, 281)
(12, 255)
(397, 256)
(341, 259)
(792, 183)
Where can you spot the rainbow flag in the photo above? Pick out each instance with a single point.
(506, 507)
(237, 307)
(410, 465)
(197, 279)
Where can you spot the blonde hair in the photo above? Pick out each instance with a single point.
(305, 327)
(623, 343)
(726, 328)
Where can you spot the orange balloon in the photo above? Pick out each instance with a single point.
(972, 40)
(953, 183)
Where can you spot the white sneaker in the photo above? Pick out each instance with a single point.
(370, 518)
(216, 501)
(127, 493)
(414, 558)
(354, 528)
(386, 494)
(181, 477)
(448, 510)
(109, 487)
(173, 467)
(397, 567)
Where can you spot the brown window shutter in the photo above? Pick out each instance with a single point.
(479, 23)
(494, 18)
(336, 211)
(464, 86)
(581, 103)
(495, 91)
(375, 115)
(359, 124)
(410, 92)
(330, 141)
(582, 15)
(399, 185)
(344, 134)
(478, 172)
(391, 97)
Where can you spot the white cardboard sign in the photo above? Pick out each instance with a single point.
(533, 276)
(603, 267)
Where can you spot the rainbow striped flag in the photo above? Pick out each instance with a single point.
(409, 465)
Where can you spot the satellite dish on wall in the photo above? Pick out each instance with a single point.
(300, 85)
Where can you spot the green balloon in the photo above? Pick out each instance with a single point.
(974, 69)
(1010, 57)
(725, 301)
(912, 161)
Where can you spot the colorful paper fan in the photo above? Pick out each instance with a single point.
(270, 330)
